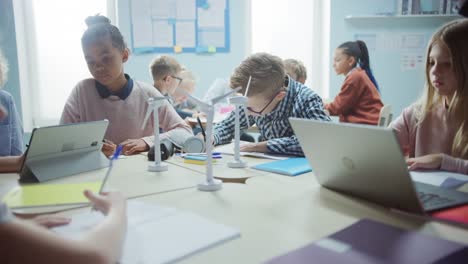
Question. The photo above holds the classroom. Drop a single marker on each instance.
(234, 131)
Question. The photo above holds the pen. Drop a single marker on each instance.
(202, 129)
(116, 155)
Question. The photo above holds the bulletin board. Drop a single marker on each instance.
(179, 26)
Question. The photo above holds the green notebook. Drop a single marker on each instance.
(35, 195)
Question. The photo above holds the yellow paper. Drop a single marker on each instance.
(49, 194)
(177, 49)
(463, 188)
(197, 162)
(211, 49)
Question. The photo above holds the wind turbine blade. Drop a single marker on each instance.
(221, 97)
(197, 101)
(248, 86)
(193, 98)
(148, 113)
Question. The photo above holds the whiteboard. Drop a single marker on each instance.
(179, 26)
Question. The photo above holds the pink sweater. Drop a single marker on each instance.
(434, 135)
(125, 116)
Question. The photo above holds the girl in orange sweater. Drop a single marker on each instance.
(359, 98)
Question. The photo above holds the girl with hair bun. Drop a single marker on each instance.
(358, 100)
(111, 94)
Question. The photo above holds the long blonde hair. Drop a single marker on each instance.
(455, 36)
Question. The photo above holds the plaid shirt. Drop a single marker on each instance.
(300, 102)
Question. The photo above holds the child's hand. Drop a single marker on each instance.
(134, 146)
(199, 114)
(107, 202)
(254, 147)
(200, 135)
(108, 148)
(49, 221)
(432, 161)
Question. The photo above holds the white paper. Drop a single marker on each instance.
(413, 41)
(186, 9)
(142, 32)
(162, 9)
(162, 34)
(157, 234)
(185, 34)
(412, 61)
(435, 177)
(213, 17)
(141, 8)
(212, 38)
(229, 150)
(389, 42)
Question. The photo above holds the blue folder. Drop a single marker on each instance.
(290, 167)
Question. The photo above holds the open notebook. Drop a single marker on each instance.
(157, 234)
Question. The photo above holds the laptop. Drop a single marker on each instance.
(367, 162)
(64, 150)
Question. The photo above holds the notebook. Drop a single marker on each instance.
(367, 242)
(36, 195)
(157, 234)
(229, 150)
(290, 167)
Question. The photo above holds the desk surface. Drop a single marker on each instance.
(277, 218)
(222, 171)
(275, 214)
(130, 176)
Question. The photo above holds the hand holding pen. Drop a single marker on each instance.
(109, 169)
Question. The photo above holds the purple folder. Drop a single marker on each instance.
(367, 242)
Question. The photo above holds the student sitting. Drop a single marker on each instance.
(165, 71)
(25, 241)
(296, 70)
(273, 97)
(433, 132)
(183, 106)
(359, 98)
(11, 132)
(115, 96)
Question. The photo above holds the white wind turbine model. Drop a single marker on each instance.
(240, 102)
(210, 184)
(153, 104)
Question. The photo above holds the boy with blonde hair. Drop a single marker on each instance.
(273, 97)
(165, 71)
(296, 70)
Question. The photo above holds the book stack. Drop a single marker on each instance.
(427, 7)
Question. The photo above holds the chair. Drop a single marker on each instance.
(385, 116)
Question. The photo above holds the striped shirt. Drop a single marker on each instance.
(300, 101)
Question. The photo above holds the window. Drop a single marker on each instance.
(296, 29)
(51, 60)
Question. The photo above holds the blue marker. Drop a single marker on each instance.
(116, 155)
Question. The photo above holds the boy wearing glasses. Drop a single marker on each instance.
(273, 97)
(165, 71)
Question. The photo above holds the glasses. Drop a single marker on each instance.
(269, 103)
(177, 78)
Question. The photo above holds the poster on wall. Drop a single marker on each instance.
(180, 26)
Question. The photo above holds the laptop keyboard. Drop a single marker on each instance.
(434, 198)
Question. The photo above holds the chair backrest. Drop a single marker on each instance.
(385, 116)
